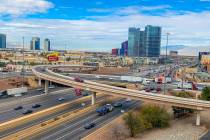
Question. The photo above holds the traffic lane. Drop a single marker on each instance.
(30, 93)
(5, 106)
(80, 132)
(75, 128)
(206, 136)
(45, 102)
(47, 117)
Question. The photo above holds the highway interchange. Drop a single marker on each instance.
(74, 129)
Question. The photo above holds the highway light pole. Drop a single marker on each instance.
(23, 64)
(165, 62)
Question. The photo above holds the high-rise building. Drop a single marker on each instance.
(35, 43)
(133, 41)
(124, 48)
(152, 39)
(115, 51)
(2, 41)
(47, 44)
(144, 43)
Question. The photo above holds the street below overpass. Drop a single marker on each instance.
(7, 111)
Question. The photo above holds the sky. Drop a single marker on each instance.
(99, 25)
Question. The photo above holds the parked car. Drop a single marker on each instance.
(89, 126)
(18, 108)
(36, 105)
(25, 112)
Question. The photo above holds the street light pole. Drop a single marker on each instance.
(23, 66)
(166, 55)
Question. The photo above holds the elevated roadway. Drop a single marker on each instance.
(45, 72)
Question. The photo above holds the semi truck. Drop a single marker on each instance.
(17, 91)
(104, 109)
(131, 79)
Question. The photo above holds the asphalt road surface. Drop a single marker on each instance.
(47, 117)
(74, 130)
(7, 111)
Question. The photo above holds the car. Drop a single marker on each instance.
(25, 112)
(18, 108)
(89, 126)
(118, 104)
(39, 89)
(85, 94)
(148, 90)
(128, 100)
(36, 105)
(61, 99)
(51, 87)
(158, 89)
(78, 79)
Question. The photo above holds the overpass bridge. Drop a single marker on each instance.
(46, 73)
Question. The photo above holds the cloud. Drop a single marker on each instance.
(16, 8)
(101, 33)
(129, 10)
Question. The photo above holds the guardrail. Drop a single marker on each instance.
(141, 95)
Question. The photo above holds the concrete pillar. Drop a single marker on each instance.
(198, 118)
(40, 82)
(93, 98)
(46, 87)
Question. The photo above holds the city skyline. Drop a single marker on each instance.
(102, 25)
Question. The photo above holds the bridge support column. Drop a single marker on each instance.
(40, 82)
(198, 118)
(46, 87)
(93, 98)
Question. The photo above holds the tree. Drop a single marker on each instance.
(184, 94)
(205, 94)
(155, 117)
(133, 123)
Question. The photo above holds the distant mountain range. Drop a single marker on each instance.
(186, 50)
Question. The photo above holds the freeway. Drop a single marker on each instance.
(47, 74)
(38, 120)
(48, 100)
(74, 130)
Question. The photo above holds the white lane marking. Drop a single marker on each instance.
(26, 99)
(74, 124)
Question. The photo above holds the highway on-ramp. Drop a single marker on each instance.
(47, 74)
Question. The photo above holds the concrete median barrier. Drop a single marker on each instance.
(50, 124)
(19, 121)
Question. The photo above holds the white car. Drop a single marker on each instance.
(61, 99)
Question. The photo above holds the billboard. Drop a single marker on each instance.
(53, 56)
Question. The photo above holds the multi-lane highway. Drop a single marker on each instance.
(75, 130)
(38, 120)
(7, 111)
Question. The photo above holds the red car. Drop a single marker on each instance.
(77, 79)
(158, 89)
(148, 90)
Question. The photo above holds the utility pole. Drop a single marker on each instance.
(166, 55)
(23, 64)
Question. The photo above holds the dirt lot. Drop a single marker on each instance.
(182, 129)
(17, 82)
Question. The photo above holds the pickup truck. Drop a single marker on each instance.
(104, 109)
